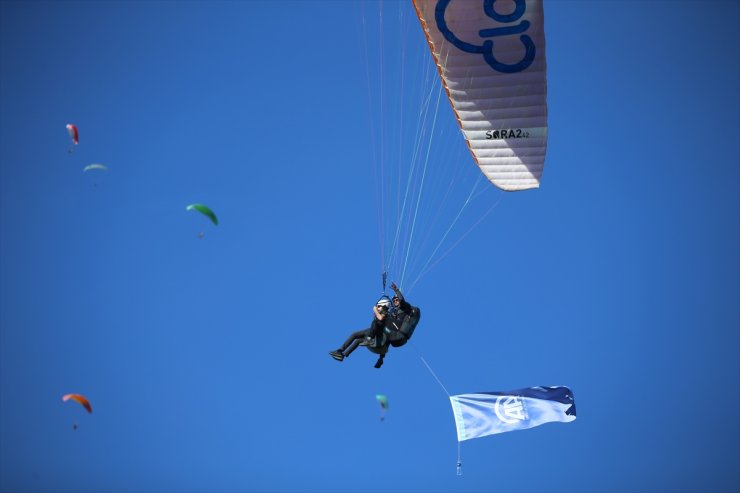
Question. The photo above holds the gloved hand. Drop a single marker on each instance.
(393, 286)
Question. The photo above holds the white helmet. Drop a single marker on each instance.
(384, 301)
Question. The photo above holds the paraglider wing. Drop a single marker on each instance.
(205, 211)
(79, 399)
(95, 166)
(73, 133)
(493, 67)
(487, 413)
(382, 400)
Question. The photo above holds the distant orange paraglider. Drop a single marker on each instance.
(80, 399)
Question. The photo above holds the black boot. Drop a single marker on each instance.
(337, 355)
(379, 363)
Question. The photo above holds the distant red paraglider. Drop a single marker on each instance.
(74, 134)
(81, 399)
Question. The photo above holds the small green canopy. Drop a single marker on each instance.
(205, 211)
(382, 400)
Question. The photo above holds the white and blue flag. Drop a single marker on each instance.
(487, 413)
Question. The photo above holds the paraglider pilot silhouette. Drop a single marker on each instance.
(402, 320)
(393, 324)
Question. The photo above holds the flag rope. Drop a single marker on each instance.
(459, 460)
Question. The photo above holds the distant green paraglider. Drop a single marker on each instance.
(205, 211)
(95, 166)
(383, 401)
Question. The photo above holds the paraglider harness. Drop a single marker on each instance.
(402, 320)
(379, 345)
(406, 330)
(376, 345)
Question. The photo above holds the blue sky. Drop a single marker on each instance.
(205, 359)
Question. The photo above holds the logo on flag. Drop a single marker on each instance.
(510, 409)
